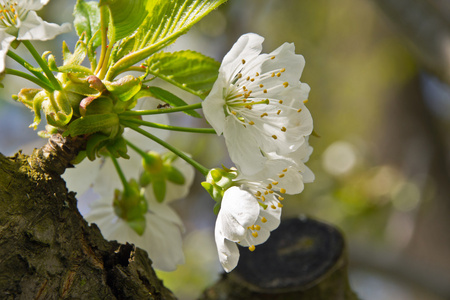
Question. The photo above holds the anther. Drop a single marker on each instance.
(251, 123)
(283, 129)
(280, 101)
(305, 101)
(258, 193)
(272, 75)
(261, 85)
(273, 57)
(257, 227)
(280, 205)
(269, 186)
(299, 110)
(280, 198)
(233, 112)
(282, 70)
(285, 170)
(263, 198)
(264, 115)
(239, 75)
(266, 193)
(274, 137)
(251, 248)
(253, 79)
(286, 84)
(278, 74)
(282, 191)
(274, 182)
(279, 111)
(243, 61)
(273, 206)
(257, 74)
(255, 234)
(248, 77)
(264, 220)
(265, 91)
(281, 175)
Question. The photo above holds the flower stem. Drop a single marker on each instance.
(161, 111)
(43, 65)
(175, 150)
(136, 148)
(168, 127)
(28, 66)
(29, 77)
(119, 171)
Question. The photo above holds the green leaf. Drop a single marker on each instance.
(126, 17)
(171, 99)
(95, 142)
(188, 70)
(78, 55)
(159, 188)
(166, 21)
(87, 19)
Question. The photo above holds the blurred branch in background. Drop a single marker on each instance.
(426, 24)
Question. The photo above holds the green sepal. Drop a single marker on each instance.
(138, 225)
(171, 99)
(145, 179)
(107, 124)
(159, 188)
(216, 208)
(124, 88)
(214, 191)
(174, 175)
(81, 88)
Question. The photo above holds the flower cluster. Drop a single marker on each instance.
(258, 104)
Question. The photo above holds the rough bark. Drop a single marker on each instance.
(48, 251)
(304, 259)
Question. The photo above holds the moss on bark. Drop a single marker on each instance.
(48, 251)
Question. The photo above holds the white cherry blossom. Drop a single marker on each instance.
(18, 20)
(258, 103)
(251, 207)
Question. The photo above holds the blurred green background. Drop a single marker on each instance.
(381, 161)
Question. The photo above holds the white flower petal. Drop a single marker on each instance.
(228, 252)
(34, 28)
(6, 39)
(239, 210)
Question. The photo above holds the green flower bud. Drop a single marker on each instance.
(153, 163)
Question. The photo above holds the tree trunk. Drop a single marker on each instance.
(304, 259)
(48, 251)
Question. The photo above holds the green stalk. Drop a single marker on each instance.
(168, 127)
(161, 111)
(30, 78)
(175, 150)
(119, 171)
(43, 65)
(28, 66)
(137, 149)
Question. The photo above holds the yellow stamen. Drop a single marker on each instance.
(286, 84)
(251, 248)
(280, 205)
(251, 123)
(305, 101)
(282, 191)
(264, 220)
(274, 182)
(274, 137)
(299, 110)
(283, 129)
(282, 70)
(243, 61)
(279, 111)
(281, 175)
(255, 234)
